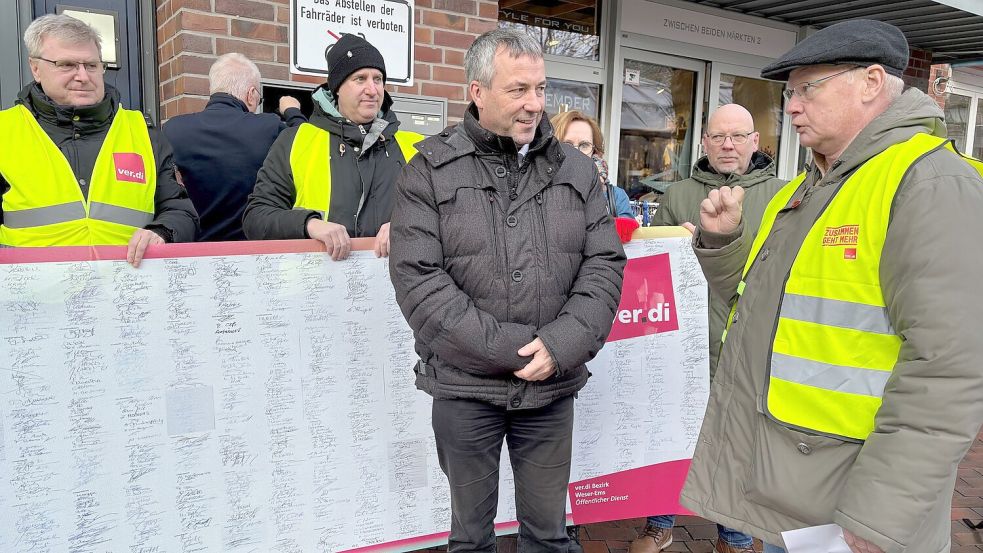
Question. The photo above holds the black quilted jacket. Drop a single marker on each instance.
(478, 274)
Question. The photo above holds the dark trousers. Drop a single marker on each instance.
(469, 445)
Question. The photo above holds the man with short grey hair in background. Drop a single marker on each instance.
(219, 150)
(732, 159)
(508, 269)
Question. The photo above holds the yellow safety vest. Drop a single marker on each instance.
(45, 206)
(834, 348)
(310, 161)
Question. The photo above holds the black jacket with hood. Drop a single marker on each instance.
(479, 274)
(365, 162)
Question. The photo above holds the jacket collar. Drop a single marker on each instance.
(223, 99)
(326, 116)
(470, 137)
(487, 142)
(92, 118)
(760, 168)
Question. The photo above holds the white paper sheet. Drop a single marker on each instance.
(827, 538)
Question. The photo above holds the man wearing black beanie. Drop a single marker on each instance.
(332, 179)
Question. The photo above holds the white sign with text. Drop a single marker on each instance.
(316, 25)
(693, 27)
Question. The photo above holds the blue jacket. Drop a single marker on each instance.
(622, 206)
(218, 152)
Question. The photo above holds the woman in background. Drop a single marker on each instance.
(583, 133)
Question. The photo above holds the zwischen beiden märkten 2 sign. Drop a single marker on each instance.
(316, 25)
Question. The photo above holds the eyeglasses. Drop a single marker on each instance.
(806, 90)
(66, 66)
(736, 139)
(585, 146)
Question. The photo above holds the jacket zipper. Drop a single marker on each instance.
(358, 171)
(546, 240)
(498, 257)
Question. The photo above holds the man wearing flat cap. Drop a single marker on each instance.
(332, 179)
(848, 385)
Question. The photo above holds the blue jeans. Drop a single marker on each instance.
(729, 536)
(769, 548)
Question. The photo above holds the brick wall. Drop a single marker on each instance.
(943, 71)
(444, 31)
(919, 67)
(192, 33)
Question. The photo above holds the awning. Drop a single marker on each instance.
(951, 29)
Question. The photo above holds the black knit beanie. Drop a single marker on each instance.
(347, 56)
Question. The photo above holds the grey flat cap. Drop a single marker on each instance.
(862, 42)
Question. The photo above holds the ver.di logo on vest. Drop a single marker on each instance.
(129, 167)
(846, 235)
(648, 303)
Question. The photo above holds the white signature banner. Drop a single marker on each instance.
(260, 397)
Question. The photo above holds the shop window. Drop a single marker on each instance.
(763, 99)
(656, 128)
(563, 95)
(957, 119)
(963, 107)
(564, 28)
(978, 139)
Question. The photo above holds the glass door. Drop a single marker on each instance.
(661, 101)
(960, 118)
(977, 148)
(963, 107)
(734, 84)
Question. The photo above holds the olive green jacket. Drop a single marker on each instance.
(895, 490)
(681, 204)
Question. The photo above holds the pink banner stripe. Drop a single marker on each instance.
(638, 492)
(188, 249)
(430, 540)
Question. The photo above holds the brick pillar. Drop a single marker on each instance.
(943, 71)
(917, 73)
(444, 31)
(192, 33)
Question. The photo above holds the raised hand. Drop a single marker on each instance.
(720, 212)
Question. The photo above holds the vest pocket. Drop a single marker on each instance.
(796, 473)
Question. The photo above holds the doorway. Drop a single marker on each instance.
(659, 123)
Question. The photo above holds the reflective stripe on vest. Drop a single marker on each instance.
(45, 206)
(310, 159)
(833, 347)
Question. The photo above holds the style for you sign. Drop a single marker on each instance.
(693, 27)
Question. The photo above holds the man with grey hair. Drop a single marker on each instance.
(848, 386)
(76, 167)
(220, 149)
(508, 268)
